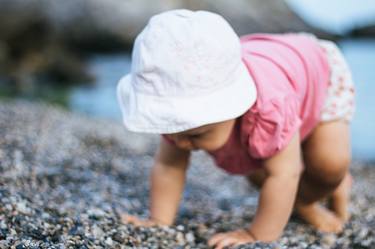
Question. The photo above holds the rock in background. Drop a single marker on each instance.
(45, 40)
(64, 179)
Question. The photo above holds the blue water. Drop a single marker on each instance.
(100, 99)
(361, 57)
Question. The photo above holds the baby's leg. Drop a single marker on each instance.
(327, 158)
(327, 155)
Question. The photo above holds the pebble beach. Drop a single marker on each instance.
(65, 178)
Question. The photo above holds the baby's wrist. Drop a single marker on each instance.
(259, 236)
(251, 233)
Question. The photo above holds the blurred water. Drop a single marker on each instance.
(100, 99)
(361, 57)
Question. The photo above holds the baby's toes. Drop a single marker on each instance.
(321, 218)
(331, 224)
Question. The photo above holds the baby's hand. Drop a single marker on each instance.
(234, 238)
(126, 218)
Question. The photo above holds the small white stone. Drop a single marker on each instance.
(190, 237)
(109, 241)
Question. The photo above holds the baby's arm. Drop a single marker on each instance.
(276, 200)
(167, 182)
(278, 192)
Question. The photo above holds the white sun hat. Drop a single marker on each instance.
(186, 72)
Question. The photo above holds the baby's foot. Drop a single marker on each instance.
(340, 198)
(319, 217)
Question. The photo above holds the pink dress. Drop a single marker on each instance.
(291, 74)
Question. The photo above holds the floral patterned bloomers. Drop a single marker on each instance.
(339, 103)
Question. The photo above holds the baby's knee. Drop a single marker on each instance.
(337, 166)
(332, 169)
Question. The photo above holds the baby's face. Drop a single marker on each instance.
(207, 137)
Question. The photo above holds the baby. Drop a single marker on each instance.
(274, 108)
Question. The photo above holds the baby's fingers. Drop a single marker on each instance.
(221, 240)
(126, 218)
(215, 239)
(224, 242)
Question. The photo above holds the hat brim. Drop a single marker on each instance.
(165, 115)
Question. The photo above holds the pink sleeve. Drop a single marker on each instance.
(273, 126)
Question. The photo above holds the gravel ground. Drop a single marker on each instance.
(65, 178)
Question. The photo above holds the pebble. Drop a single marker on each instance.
(190, 237)
(329, 240)
(109, 241)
